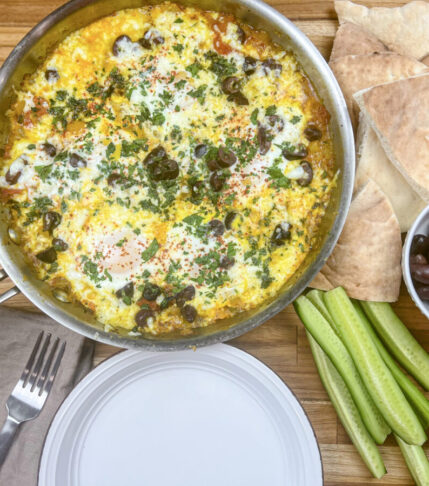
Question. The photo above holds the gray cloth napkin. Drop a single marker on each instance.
(18, 334)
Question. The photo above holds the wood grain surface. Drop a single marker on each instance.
(280, 343)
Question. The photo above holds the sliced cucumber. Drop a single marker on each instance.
(332, 345)
(399, 340)
(347, 410)
(416, 460)
(316, 298)
(375, 374)
(414, 395)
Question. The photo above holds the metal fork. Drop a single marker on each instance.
(30, 393)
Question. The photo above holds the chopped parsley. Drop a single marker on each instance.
(271, 110)
(199, 93)
(43, 171)
(150, 250)
(220, 65)
(157, 118)
(194, 68)
(254, 116)
(178, 48)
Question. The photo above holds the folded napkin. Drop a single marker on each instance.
(18, 334)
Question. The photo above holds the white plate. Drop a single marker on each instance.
(211, 417)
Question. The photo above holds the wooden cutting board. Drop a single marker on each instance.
(280, 343)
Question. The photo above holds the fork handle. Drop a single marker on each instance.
(7, 435)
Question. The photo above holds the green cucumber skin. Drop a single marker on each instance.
(332, 345)
(375, 374)
(414, 395)
(416, 461)
(347, 411)
(398, 339)
(316, 298)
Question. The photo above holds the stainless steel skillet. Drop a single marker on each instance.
(32, 50)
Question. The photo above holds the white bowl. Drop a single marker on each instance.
(419, 227)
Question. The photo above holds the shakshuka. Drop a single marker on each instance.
(167, 167)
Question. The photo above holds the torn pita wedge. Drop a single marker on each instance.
(355, 73)
(399, 114)
(367, 258)
(372, 163)
(351, 39)
(425, 60)
(402, 29)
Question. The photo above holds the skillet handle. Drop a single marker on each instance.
(9, 293)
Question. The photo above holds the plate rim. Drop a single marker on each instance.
(126, 354)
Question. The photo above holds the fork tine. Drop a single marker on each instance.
(31, 359)
(54, 370)
(44, 374)
(39, 362)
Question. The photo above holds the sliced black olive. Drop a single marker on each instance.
(312, 133)
(12, 178)
(49, 149)
(201, 150)
(52, 75)
(276, 122)
(281, 233)
(213, 164)
(116, 48)
(47, 256)
(189, 312)
(113, 179)
(229, 218)
(143, 316)
(151, 291)
(226, 158)
(264, 140)
(249, 65)
(165, 170)
(77, 161)
(308, 177)
(271, 65)
(158, 39)
(197, 189)
(51, 220)
(238, 98)
(226, 262)
(241, 35)
(155, 155)
(126, 291)
(145, 41)
(150, 39)
(216, 227)
(231, 85)
(59, 244)
(188, 293)
(295, 153)
(217, 181)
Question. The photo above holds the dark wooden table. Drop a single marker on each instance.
(281, 342)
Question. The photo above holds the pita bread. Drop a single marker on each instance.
(352, 39)
(355, 73)
(425, 60)
(372, 163)
(402, 29)
(367, 258)
(399, 114)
